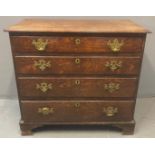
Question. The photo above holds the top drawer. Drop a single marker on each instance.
(39, 44)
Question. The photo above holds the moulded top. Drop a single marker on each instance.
(77, 26)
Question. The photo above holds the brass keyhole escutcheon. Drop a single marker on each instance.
(77, 105)
(77, 41)
(77, 82)
(77, 61)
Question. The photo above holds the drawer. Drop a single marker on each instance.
(41, 87)
(97, 65)
(77, 111)
(41, 44)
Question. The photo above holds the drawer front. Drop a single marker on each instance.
(97, 65)
(76, 44)
(77, 111)
(77, 87)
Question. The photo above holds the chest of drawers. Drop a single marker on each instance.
(72, 72)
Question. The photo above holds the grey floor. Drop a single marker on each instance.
(144, 116)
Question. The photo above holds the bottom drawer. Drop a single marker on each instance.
(77, 111)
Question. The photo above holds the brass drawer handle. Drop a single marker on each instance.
(115, 45)
(40, 44)
(113, 65)
(45, 110)
(42, 64)
(77, 61)
(44, 87)
(77, 82)
(110, 111)
(77, 41)
(77, 105)
(112, 87)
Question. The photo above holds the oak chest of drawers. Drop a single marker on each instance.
(72, 72)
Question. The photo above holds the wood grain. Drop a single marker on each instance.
(88, 65)
(67, 44)
(78, 26)
(88, 111)
(66, 87)
(93, 52)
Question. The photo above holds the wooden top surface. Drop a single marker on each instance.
(77, 26)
